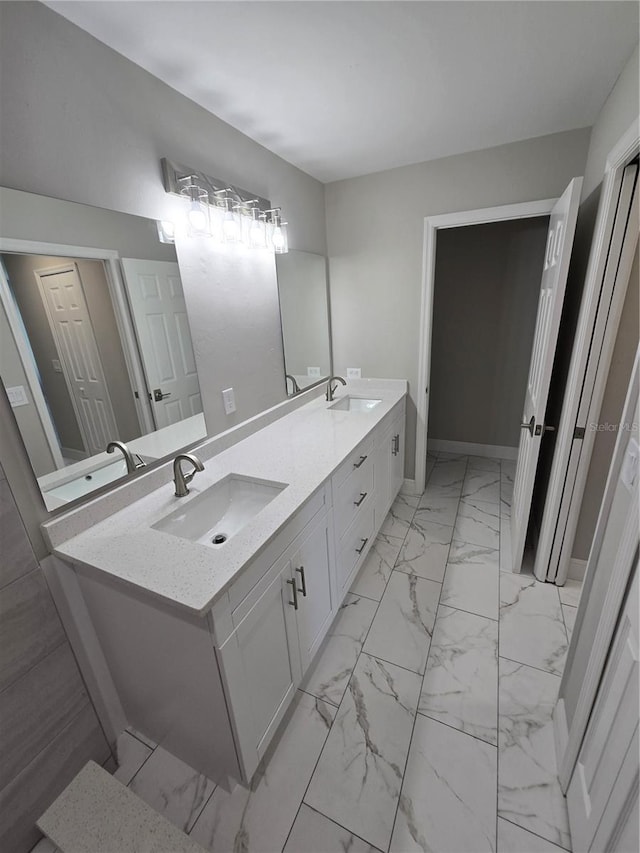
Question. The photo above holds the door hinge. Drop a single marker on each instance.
(578, 432)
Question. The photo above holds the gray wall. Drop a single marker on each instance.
(375, 228)
(618, 112)
(610, 413)
(487, 285)
(49, 728)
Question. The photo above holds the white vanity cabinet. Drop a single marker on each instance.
(389, 461)
(277, 630)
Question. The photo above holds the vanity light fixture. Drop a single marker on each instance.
(198, 209)
(225, 212)
(278, 233)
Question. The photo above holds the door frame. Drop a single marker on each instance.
(433, 224)
(27, 361)
(111, 261)
(620, 156)
(568, 741)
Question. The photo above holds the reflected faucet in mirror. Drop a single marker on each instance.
(295, 388)
(132, 465)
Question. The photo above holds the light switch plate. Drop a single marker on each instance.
(55, 363)
(354, 373)
(229, 401)
(313, 371)
(17, 396)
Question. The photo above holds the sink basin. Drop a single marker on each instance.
(355, 404)
(221, 511)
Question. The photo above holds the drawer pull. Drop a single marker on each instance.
(362, 497)
(303, 589)
(361, 548)
(358, 464)
(294, 603)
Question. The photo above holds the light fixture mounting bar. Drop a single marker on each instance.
(174, 173)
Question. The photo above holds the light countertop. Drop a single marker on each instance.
(301, 449)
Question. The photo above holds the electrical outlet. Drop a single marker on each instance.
(313, 371)
(229, 401)
(354, 373)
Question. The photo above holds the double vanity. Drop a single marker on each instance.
(196, 618)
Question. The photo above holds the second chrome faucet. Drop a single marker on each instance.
(332, 388)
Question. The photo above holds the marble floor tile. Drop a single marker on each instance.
(483, 463)
(569, 614)
(401, 630)
(425, 550)
(400, 515)
(514, 839)
(531, 625)
(315, 833)
(506, 492)
(460, 686)
(528, 789)
(482, 486)
(471, 579)
(438, 509)
(172, 788)
(45, 845)
(448, 801)
(131, 754)
(258, 820)
(478, 523)
(508, 468)
(359, 774)
(447, 478)
(570, 592)
(334, 664)
(506, 564)
(374, 574)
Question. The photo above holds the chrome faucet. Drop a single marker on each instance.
(132, 465)
(179, 477)
(331, 388)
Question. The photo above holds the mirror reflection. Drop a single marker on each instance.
(304, 311)
(97, 350)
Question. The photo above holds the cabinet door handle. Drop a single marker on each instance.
(303, 590)
(362, 497)
(361, 548)
(358, 464)
(294, 603)
(393, 446)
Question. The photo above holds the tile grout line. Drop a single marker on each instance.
(417, 713)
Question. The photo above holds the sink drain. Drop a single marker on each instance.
(219, 538)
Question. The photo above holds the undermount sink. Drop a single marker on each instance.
(221, 511)
(355, 404)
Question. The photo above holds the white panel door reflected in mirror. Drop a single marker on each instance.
(304, 312)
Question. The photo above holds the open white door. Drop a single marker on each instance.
(562, 225)
(162, 328)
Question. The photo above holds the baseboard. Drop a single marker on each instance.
(492, 451)
(408, 487)
(560, 731)
(577, 569)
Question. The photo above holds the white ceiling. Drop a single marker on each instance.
(347, 88)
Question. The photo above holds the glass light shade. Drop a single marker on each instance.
(279, 239)
(198, 218)
(231, 228)
(257, 233)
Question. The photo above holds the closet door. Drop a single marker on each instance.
(605, 778)
(562, 225)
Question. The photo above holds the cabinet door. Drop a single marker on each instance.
(397, 458)
(312, 572)
(262, 667)
(383, 477)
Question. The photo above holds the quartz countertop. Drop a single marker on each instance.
(301, 449)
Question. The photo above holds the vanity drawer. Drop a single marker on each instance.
(353, 497)
(355, 460)
(354, 547)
